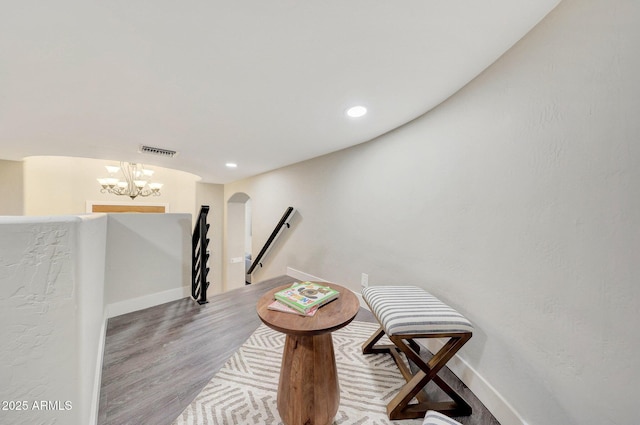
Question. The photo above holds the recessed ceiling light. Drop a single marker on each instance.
(231, 165)
(356, 111)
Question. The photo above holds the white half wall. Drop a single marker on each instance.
(51, 316)
(59, 276)
(516, 202)
(91, 323)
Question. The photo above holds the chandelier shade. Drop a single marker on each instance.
(135, 181)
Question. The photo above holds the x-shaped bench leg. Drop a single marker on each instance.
(399, 407)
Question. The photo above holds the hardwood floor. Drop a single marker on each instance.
(157, 360)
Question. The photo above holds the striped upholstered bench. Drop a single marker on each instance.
(406, 313)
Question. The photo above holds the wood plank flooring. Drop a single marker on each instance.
(157, 360)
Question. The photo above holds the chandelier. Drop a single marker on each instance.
(136, 181)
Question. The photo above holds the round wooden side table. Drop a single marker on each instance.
(308, 391)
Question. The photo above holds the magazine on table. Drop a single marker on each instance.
(278, 306)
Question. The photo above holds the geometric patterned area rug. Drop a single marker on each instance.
(244, 391)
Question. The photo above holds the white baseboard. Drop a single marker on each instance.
(304, 276)
(486, 393)
(135, 304)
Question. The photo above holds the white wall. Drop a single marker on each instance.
(51, 315)
(238, 211)
(148, 260)
(516, 201)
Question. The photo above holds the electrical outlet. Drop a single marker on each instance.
(364, 280)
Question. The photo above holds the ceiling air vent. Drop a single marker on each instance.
(157, 151)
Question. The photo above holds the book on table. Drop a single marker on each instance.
(278, 306)
(305, 296)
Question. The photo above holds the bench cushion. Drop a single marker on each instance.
(407, 310)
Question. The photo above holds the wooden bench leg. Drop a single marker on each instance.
(370, 346)
(400, 408)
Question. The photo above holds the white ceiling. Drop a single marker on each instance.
(257, 82)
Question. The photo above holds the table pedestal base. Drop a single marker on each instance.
(308, 392)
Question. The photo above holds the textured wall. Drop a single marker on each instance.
(42, 321)
(57, 276)
(516, 201)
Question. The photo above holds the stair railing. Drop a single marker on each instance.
(282, 224)
(200, 257)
